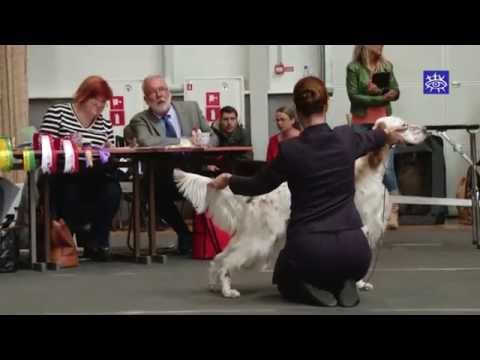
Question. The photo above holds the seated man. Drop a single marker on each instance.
(165, 123)
(229, 132)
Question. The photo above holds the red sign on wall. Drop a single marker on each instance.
(213, 99)
(213, 113)
(117, 118)
(117, 103)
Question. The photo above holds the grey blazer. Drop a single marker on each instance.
(142, 126)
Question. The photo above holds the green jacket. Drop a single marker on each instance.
(358, 77)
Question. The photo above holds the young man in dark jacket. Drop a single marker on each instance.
(229, 132)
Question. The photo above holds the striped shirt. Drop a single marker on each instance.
(61, 120)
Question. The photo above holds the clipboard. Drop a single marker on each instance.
(381, 79)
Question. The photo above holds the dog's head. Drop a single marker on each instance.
(411, 134)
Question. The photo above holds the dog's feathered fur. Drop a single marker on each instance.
(258, 224)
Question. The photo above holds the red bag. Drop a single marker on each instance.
(63, 250)
(208, 239)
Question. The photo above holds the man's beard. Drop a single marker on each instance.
(161, 108)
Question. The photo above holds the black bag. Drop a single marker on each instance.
(8, 251)
(421, 171)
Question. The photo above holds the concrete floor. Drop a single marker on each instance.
(421, 270)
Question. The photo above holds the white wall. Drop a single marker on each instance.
(55, 71)
(209, 60)
(297, 56)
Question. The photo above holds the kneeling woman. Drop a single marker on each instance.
(87, 200)
(326, 251)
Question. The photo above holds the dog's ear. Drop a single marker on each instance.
(375, 158)
(380, 125)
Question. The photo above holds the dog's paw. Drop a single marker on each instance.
(231, 293)
(365, 230)
(266, 268)
(364, 286)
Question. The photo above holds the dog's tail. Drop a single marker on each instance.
(193, 187)
(221, 205)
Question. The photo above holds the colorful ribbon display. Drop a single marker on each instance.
(104, 155)
(29, 162)
(49, 148)
(6, 154)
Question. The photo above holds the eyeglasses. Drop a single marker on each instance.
(157, 90)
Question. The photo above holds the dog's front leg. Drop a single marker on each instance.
(227, 290)
(365, 284)
(213, 275)
(218, 272)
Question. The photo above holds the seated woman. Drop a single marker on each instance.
(289, 127)
(87, 200)
(326, 251)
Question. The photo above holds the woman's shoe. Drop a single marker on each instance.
(320, 297)
(348, 294)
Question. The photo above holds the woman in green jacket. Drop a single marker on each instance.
(368, 102)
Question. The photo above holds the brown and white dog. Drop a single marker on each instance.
(258, 224)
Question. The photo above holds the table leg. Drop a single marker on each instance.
(32, 224)
(136, 209)
(152, 221)
(46, 227)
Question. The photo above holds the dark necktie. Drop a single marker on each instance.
(169, 129)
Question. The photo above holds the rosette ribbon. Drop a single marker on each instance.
(29, 162)
(49, 154)
(71, 157)
(6, 154)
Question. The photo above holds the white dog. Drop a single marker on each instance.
(258, 224)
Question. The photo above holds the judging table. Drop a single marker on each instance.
(138, 159)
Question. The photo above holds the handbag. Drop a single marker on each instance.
(208, 239)
(63, 250)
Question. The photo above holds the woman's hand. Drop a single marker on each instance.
(220, 182)
(213, 168)
(394, 136)
(390, 96)
(373, 89)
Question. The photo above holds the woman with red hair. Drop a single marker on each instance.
(326, 251)
(87, 200)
